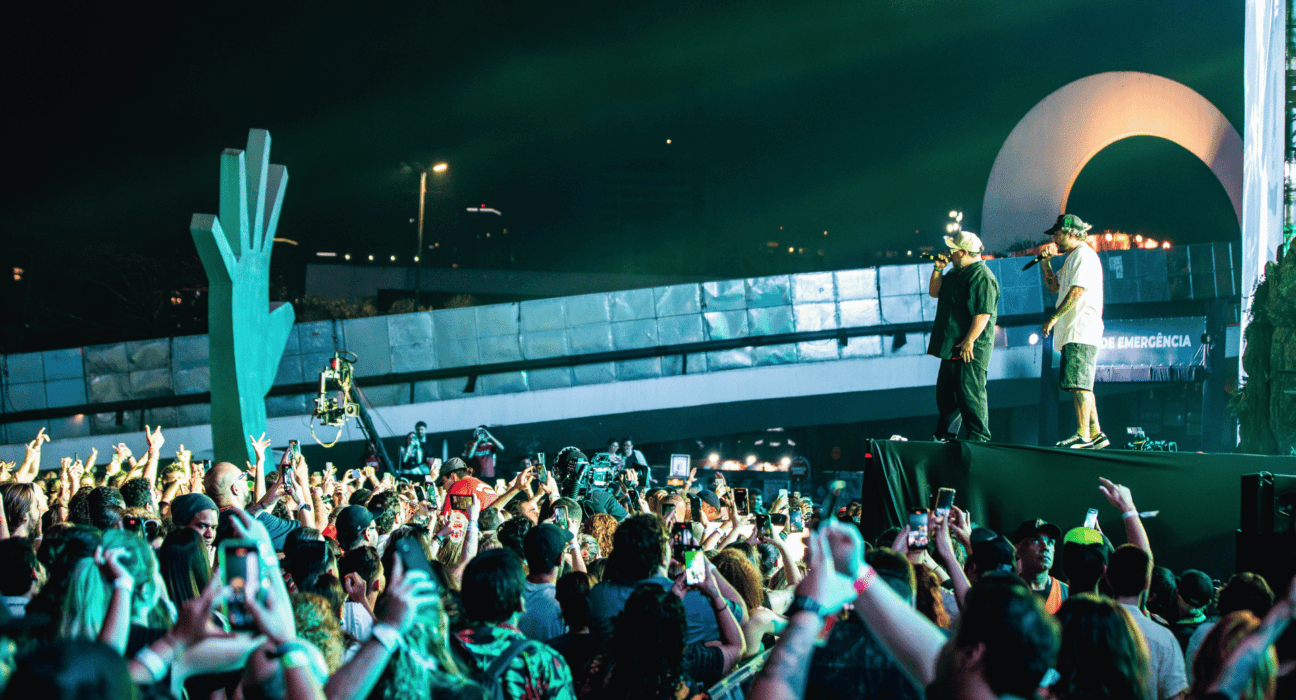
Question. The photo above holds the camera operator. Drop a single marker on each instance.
(480, 453)
(578, 479)
(412, 460)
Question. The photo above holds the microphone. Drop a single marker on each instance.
(927, 256)
(1033, 263)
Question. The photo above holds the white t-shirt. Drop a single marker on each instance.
(1083, 323)
(1166, 676)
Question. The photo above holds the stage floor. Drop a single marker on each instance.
(1198, 495)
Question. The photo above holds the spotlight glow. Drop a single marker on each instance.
(751, 459)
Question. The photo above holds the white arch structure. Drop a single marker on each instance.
(1038, 164)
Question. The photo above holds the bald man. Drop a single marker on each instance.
(224, 484)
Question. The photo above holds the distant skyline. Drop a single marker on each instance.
(868, 120)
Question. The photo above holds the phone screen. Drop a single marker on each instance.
(542, 475)
(462, 503)
(240, 566)
(918, 529)
(695, 509)
(560, 517)
(681, 540)
(763, 526)
(357, 474)
(740, 500)
(796, 520)
(694, 566)
(1091, 519)
(944, 502)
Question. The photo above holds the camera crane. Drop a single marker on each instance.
(336, 410)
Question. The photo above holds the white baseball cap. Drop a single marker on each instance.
(965, 240)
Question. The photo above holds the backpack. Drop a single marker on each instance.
(491, 678)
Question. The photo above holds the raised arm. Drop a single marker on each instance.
(1046, 268)
(406, 592)
(731, 637)
(116, 626)
(788, 666)
(155, 441)
(259, 446)
(31, 459)
(934, 284)
(945, 548)
(911, 639)
(1121, 498)
(471, 537)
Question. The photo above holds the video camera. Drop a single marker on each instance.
(336, 410)
(581, 475)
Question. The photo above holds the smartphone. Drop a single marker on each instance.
(829, 509)
(780, 519)
(461, 503)
(740, 500)
(763, 526)
(560, 517)
(542, 475)
(944, 501)
(240, 567)
(918, 528)
(357, 474)
(422, 493)
(796, 520)
(410, 551)
(695, 509)
(1091, 519)
(681, 540)
(694, 566)
(667, 509)
(782, 494)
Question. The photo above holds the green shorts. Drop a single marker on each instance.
(1078, 364)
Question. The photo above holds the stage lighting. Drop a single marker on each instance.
(713, 459)
(751, 459)
(1033, 339)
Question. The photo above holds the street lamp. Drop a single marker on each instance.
(418, 252)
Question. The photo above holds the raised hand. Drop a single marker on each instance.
(246, 338)
(1117, 495)
(259, 447)
(155, 440)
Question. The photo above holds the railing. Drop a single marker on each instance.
(472, 372)
(735, 685)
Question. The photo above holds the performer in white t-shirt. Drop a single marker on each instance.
(1078, 322)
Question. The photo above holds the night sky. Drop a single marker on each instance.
(866, 119)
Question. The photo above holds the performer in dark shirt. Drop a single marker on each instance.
(963, 337)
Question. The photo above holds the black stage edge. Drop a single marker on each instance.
(1198, 495)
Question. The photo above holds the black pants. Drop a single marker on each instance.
(961, 400)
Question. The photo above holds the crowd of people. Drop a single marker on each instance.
(576, 578)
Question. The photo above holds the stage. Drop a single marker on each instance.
(1198, 495)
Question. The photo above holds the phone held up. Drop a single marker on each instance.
(1091, 519)
(460, 502)
(741, 502)
(944, 502)
(240, 568)
(918, 529)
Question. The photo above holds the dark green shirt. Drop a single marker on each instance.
(965, 293)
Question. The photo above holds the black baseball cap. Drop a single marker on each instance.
(544, 545)
(351, 522)
(1030, 528)
(995, 554)
(1196, 588)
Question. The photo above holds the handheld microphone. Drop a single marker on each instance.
(1033, 263)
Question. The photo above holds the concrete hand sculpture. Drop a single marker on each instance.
(246, 338)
